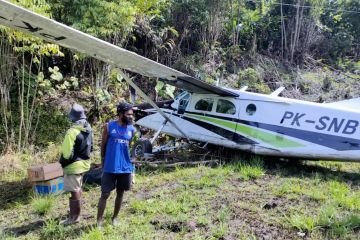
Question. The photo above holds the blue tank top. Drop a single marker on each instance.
(117, 155)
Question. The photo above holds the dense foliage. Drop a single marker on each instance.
(235, 41)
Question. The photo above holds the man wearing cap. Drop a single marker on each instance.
(75, 155)
(115, 158)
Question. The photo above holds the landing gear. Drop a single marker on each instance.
(142, 148)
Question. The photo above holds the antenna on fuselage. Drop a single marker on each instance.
(243, 89)
(277, 91)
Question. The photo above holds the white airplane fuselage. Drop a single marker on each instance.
(268, 125)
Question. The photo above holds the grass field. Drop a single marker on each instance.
(253, 199)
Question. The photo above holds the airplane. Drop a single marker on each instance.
(233, 118)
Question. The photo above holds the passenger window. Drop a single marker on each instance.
(226, 107)
(251, 109)
(204, 104)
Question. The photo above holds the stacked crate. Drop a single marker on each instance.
(47, 178)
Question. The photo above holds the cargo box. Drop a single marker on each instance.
(45, 172)
(50, 186)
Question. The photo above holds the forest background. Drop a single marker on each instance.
(309, 46)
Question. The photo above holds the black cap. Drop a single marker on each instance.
(77, 112)
(123, 107)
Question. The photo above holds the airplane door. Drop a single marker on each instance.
(237, 137)
(226, 113)
(240, 136)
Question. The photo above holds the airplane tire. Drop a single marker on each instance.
(141, 147)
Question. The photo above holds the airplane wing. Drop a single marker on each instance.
(50, 30)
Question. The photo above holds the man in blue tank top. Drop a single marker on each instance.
(115, 159)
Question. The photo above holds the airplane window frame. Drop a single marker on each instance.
(225, 100)
(183, 102)
(204, 99)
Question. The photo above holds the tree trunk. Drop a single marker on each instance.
(21, 91)
(7, 63)
(283, 32)
(296, 34)
(233, 27)
(253, 45)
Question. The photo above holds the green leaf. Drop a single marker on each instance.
(56, 76)
(75, 82)
(337, 18)
(159, 86)
(67, 84)
(40, 77)
(170, 90)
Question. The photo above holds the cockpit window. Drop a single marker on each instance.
(204, 104)
(182, 94)
(226, 107)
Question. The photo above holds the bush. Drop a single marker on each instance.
(251, 78)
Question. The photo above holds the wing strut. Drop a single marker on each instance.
(151, 102)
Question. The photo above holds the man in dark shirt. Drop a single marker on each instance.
(75, 159)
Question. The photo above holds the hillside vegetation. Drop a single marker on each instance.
(309, 46)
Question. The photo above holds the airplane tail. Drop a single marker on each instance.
(353, 103)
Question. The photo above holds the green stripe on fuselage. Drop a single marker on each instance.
(278, 140)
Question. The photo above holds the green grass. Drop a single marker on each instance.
(53, 230)
(219, 231)
(334, 207)
(223, 214)
(4, 235)
(206, 203)
(43, 204)
(94, 234)
(250, 170)
(302, 222)
(290, 188)
(328, 218)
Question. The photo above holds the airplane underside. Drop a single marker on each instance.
(255, 137)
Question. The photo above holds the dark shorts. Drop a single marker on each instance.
(122, 181)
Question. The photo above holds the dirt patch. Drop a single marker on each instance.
(25, 228)
(252, 224)
(249, 203)
(175, 227)
(273, 203)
